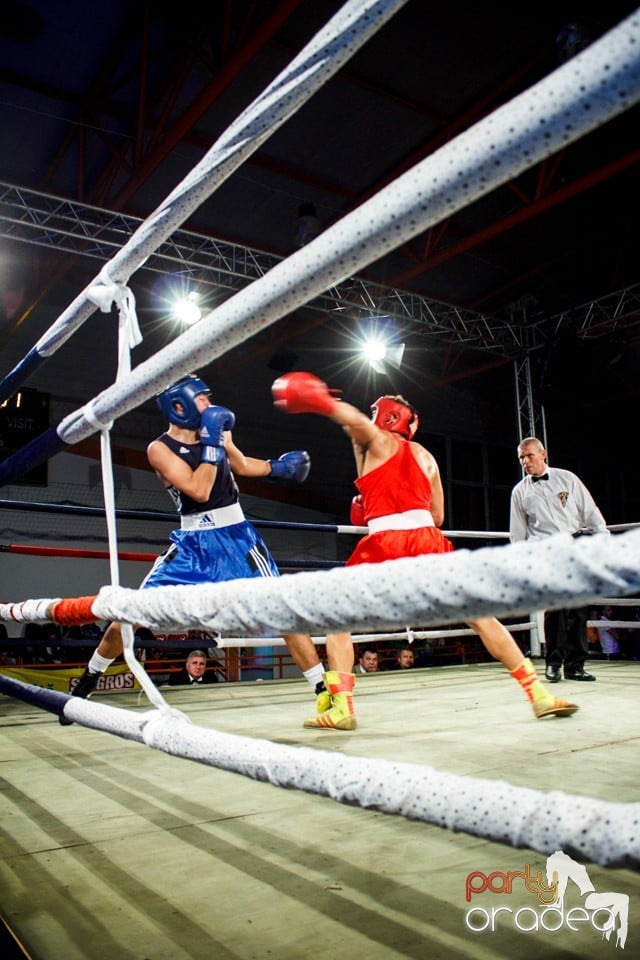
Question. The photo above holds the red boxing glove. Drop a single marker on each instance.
(303, 393)
(357, 512)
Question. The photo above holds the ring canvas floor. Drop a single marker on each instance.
(116, 851)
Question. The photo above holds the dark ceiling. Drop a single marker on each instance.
(112, 104)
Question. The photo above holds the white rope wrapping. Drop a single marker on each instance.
(27, 611)
(103, 294)
(91, 417)
(596, 85)
(602, 832)
(510, 580)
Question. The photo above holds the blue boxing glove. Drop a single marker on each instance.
(291, 466)
(213, 422)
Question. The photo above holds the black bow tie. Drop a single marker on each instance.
(543, 476)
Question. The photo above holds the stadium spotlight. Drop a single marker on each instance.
(187, 310)
(380, 349)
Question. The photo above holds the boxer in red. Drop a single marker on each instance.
(402, 501)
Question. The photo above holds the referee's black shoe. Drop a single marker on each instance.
(552, 673)
(580, 674)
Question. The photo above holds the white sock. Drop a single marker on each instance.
(314, 675)
(98, 664)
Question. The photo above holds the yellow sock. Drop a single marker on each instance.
(525, 674)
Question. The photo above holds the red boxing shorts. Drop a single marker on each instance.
(395, 544)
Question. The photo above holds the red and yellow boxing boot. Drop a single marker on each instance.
(544, 703)
(341, 715)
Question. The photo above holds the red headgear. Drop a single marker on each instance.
(404, 420)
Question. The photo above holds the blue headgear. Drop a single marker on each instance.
(183, 392)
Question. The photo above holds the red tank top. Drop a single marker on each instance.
(395, 486)
(398, 485)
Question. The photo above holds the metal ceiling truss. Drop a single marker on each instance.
(530, 416)
(76, 228)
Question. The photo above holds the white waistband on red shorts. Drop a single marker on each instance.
(407, 520)
(213, 519)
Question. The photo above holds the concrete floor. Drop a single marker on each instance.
(115, 851)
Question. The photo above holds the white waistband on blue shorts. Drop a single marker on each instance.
(407, 520)
(213, 519)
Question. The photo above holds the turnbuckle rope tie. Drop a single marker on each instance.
(106, 292)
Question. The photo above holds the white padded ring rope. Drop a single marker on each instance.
(603, 832)
(447, 588)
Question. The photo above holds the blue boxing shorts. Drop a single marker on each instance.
(211, 556)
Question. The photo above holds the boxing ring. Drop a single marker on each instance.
(508, 797)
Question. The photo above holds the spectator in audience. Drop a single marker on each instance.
(593, 634)
(91, 632)
(609, 636)
(194, 671)
(6, 658)
(633, 648)
(52, 653)
(405, 659)
(32, 633)
(367, 661)
(6, 653)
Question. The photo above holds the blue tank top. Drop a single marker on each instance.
(224, 491)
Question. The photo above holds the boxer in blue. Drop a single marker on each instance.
(196, 459)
